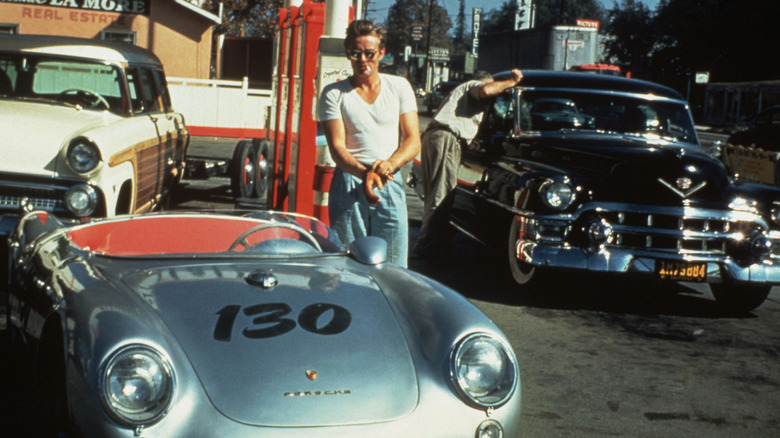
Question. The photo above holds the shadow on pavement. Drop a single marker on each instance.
(479, 273)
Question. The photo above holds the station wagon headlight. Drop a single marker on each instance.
(556, 194)
(83, 156)
(137, 385)
(81, 200)
(483, 370)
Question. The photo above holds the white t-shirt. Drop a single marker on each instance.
(372, 130)
(462, 110)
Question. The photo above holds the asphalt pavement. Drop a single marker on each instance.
(598, 357)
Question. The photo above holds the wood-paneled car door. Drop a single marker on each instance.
(175, 135)
(147, 106)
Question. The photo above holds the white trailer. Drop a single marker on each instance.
(227, 124)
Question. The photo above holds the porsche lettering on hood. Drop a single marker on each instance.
(242, 351)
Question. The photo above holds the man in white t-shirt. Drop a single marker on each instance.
(361, 118)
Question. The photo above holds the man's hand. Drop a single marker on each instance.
(383, 168)
(516, 75)
(371, 180)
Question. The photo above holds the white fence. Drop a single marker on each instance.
(220, 108)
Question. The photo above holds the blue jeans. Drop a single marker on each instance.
(351, 216)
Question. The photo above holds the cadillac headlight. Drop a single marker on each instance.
(556, 194)
(483, 370)
(81, 200)
(83, 156)
(774, 214)
(137, 385)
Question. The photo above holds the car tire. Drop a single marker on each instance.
(50, 408)
(739, 298)
(525, 275)
(243, 170)
(263, 168)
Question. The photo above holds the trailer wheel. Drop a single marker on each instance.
(263, 170)
(243, 172)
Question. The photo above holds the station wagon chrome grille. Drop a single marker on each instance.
(41, 198)
(37, 203)
(669, 232)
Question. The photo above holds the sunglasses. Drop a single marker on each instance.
(355, 54)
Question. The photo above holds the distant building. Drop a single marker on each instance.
(552, 48)
(179, 32)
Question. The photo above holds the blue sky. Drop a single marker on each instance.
(381, 7)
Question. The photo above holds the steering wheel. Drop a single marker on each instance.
(89, 97)
(241, 240)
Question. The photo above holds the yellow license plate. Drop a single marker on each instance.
(681, 271)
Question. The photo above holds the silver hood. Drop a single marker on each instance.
(306, 352)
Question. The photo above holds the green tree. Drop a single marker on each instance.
(500, 20)
(547, 13)
(634, 37)
(566, 12)
(405, 13)
(734, 41)
(459, 42)
(255, 18)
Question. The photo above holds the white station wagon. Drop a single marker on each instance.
(88, 128)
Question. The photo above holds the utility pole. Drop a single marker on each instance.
(561, 12)
(428, 81)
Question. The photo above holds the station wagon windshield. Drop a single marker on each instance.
(90, 85)
(553, 110)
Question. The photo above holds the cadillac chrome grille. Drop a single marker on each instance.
(668, 232)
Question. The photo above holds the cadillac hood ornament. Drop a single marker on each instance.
(683, 186)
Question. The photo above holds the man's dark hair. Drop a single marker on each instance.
(359, 28)
(481, 75)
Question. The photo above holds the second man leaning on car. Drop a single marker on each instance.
(453, 127)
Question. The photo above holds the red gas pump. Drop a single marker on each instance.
(292, 128)
(301, 172)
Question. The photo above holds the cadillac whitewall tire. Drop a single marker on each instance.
(739, 298)
(525, 275)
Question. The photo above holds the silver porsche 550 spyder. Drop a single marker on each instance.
(247, 325)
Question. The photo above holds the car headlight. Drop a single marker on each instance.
(137, 385)
(556, 194)
(83, 156)
(774, 214)
(81, 200)
(483, 370)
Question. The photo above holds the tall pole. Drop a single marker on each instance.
(336, 18)
(561, 11)
(428, 79)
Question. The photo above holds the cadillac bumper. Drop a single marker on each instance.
(682, 244)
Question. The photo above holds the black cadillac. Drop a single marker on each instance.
(613, 181)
